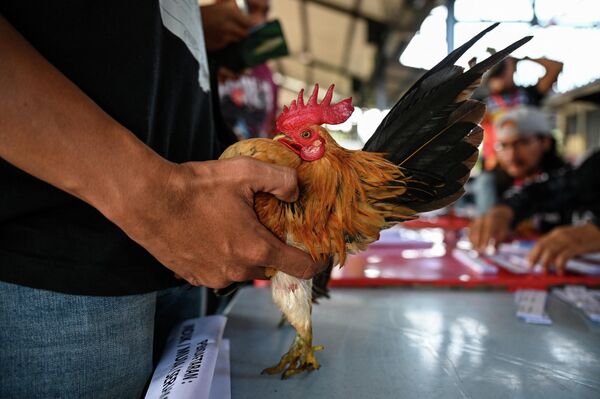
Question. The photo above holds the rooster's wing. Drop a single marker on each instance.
(432, 133)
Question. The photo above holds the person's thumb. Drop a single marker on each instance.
(280, 181)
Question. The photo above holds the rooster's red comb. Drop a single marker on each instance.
(299, 115)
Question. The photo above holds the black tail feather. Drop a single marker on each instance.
(433, 129)
(448, 62)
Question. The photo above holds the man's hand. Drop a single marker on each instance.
(223, 23)
(201, 223)
(491, 228)
(564, 243)
(196, 218)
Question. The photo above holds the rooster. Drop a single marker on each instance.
(417, 160)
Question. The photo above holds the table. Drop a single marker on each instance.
(417, 343)
(448, 222)
(435, 266)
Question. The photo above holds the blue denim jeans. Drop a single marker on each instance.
(54, 345)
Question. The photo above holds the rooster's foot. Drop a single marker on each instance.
(300, 357)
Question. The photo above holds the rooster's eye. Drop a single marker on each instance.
(305, 134)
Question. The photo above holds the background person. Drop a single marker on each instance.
(501, 94)
(525, 150)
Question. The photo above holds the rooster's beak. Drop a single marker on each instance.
(288, 142)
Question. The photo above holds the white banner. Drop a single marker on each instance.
(221, 385)
(187, 365)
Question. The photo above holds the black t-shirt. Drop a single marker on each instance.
(544, 218)
(562, 190)
(121, 55)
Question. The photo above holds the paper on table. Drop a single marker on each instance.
(474, 262)
(187, 365)
(532, 306)
(221, 384)
(516, 264)
(400, 237)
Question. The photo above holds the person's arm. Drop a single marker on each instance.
(196, 218)
(553, 69)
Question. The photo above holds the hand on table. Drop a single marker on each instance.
(491, 228)
(564, 243)
(201, 224)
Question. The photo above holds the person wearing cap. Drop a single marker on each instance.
(525, 147)
(500, 94)
(526, 152)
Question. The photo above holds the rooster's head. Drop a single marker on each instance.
(299, 124)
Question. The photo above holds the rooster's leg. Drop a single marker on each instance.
(293, 297)
(282, 321)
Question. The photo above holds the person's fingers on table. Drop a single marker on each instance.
(562, 257)
(495, 226)
(548, 247)
(547, 257)
(567, 254)
(474, 232)
(536, 252)
(485, 234)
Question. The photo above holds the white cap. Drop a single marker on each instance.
(525, 120)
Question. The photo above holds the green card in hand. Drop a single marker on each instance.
(265, 42)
